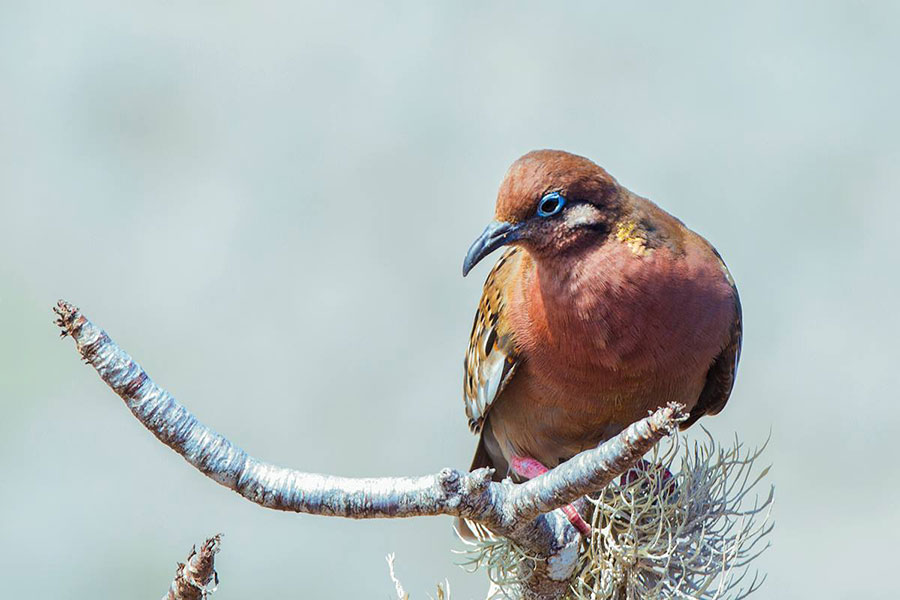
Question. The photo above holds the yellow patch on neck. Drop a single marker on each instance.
(627, 233)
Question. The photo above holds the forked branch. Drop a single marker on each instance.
(522, 513)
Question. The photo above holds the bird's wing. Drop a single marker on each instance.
(720, 378)
(491, 358)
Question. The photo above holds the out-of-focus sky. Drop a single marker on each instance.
(268, 205)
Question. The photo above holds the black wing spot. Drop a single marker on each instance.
(490, 341)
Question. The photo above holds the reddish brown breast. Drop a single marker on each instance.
(596, 321)
(604, 338)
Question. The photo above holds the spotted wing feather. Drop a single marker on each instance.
(491, 358)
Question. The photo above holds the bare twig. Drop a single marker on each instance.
(401, 593)
(518, 512)
(193, 578)
(443, 589)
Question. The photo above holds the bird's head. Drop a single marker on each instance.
(550, 202)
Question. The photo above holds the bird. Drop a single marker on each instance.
(602, 307)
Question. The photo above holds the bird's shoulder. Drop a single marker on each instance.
(491, 358)
(645, 227)
(660, 228)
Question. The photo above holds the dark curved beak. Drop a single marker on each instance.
(496, 234)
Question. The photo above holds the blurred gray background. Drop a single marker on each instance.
(268, 206)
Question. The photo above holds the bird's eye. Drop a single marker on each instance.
(551, 204)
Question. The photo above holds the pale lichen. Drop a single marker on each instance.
(685, 524)
(503, 560)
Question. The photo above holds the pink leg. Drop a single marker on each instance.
(529, 468)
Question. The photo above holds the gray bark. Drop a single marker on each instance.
(524, 513)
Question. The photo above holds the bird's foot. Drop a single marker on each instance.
(527, 467)
(530, 468)
(665, 482)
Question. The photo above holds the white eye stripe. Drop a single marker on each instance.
(582, 214)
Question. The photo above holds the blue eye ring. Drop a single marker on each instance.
(551, 204)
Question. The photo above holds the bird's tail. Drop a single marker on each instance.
(481, 460)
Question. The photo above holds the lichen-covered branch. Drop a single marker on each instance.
(660, 533)
(521, 513)
(193, 578)
(591, 471)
